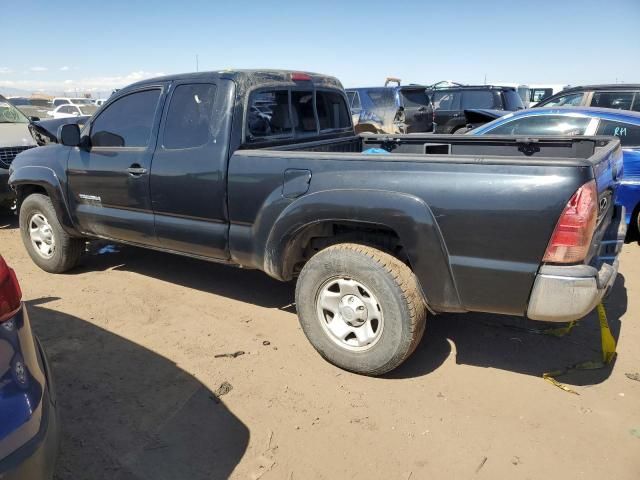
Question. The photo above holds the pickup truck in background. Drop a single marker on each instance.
(261, 169)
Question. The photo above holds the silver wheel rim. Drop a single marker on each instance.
(41, 235)
(349, 313)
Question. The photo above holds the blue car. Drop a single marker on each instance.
(28, 418)
(584, 121)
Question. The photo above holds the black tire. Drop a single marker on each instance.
(67, 250)
(398, 295)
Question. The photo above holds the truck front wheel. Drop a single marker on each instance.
(360, 308)
(48, 245)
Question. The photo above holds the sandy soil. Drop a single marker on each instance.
(133, 338)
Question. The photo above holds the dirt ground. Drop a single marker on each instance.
(133, 337)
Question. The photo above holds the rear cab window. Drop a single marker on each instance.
(284, 113)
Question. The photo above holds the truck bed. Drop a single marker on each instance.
(483, 208)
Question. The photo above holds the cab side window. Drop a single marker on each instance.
(127, 122)
(189, 118)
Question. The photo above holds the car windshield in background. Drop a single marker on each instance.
(570, 99)
(88, 110)
(82, 101)
(414, 98)
(10, 114)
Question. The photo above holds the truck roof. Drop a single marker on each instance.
(249, 78)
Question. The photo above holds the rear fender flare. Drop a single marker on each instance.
(407, 215)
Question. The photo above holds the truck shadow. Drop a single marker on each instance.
(250, 286)
(515, 344)
(485, 340)
(128, 413)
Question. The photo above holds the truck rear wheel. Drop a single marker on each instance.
(48, 245)
(360, 308)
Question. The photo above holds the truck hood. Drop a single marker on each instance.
(46, 131)
(15, 135)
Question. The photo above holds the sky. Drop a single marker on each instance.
(97, 45)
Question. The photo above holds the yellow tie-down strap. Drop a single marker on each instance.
(608, 351)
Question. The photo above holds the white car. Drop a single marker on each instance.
(71, 101)
(68, 110)
(99, 101)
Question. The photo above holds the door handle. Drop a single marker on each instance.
(136, 170)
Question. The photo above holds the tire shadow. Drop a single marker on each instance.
(8, 220)
(129, 413)
(485, 340)
(512, 343)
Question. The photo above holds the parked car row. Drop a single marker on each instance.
(420, 109)
(44, 108)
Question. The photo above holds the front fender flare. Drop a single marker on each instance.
(407, 215)
(46, 178)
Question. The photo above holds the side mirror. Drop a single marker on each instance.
(69, 135)
(34, 119)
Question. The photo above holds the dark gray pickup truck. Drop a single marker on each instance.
(261, 169)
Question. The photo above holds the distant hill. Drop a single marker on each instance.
(14, 92)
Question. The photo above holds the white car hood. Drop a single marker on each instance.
(15, 135)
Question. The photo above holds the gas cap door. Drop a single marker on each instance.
(296, 182)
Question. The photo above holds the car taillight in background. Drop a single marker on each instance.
(572, 236)
(10, 293)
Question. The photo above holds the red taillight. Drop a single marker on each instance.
(572, 236)
(10, 294)
(300, 77)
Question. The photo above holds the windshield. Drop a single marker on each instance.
(82, 101)
(10, 114)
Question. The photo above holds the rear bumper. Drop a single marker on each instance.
(567, 293)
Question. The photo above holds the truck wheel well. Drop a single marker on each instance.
(319, 236)
(23, 191)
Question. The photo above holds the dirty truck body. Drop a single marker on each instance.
(504, 225)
